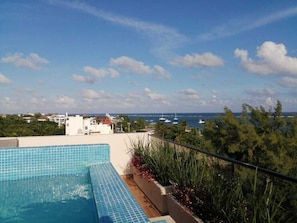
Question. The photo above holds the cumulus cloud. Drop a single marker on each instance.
(4, 79)
(95, 73)
(66, 101)
(273, 59)
(270, 102)
(161, 73)
(191, 93)
(128, 64)
(101, 72)
(289, 82)
(83, 79)
(153, 96)
(198, 60)
(90, 95)
(32, 61)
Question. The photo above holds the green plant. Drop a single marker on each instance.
(215, 190)
(153, 159)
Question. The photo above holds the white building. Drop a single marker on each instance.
(78, 125)
(60, 119)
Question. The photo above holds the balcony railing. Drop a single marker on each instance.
(254, 189)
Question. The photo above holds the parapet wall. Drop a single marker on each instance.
(8, 142)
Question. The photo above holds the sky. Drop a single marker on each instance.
(108, 56)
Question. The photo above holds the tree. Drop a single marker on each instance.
(260, 137)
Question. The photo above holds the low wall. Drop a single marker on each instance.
(8, 142)
(119, 145)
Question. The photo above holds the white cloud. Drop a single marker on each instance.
(191, 93)
(66, 102)
(83, 79)
(197, 60)
(154, 96)
(8, 103)
(100, 73)
(33, 61)
(161, 73)
(270, 102)
(273, 59)
(4, 79)
(91, 95)
(163, 38)
(128, 64)
(243, 24)
(289, 82)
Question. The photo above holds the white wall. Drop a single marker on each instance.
(119, 145)
(74, 125)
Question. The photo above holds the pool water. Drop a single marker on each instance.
(48, 199)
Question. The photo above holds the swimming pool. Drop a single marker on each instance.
(48, 199)
(69, 184)
(49, 184)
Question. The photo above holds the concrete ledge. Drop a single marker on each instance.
(113, 199)
(9, 143)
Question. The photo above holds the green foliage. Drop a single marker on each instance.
(15, 126)
(214, 189)
(129, 125)
(260, 137)
(179, 133)
(153, 159)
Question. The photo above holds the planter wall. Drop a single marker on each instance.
(155, 192)
(179, 213)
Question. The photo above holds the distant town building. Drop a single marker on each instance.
(79, 125)
(59, 119)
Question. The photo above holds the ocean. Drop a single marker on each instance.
(192, 119)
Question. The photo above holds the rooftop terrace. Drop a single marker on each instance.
(119, 165)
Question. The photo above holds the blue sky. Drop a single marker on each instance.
(147, 56)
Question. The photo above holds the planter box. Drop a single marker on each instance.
(155, 192)
(179, 213)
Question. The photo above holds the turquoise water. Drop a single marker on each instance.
(52, 199)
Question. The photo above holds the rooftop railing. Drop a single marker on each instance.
(247, 192)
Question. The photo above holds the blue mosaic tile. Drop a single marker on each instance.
(113, 199)
(26, 162)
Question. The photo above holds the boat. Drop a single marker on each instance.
(201, 121)
(162, 118)
(167, 121)
(175, 120)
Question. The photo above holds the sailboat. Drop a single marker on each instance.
(201, 121)
(162, 119)
(175, 120)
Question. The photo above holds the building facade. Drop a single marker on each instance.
(79, 125)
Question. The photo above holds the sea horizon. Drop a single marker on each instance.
(193, 119)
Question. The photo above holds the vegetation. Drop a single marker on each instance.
(260, 137)
(15, 126)
(216, 190)
(128, 125)
(153, 160)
